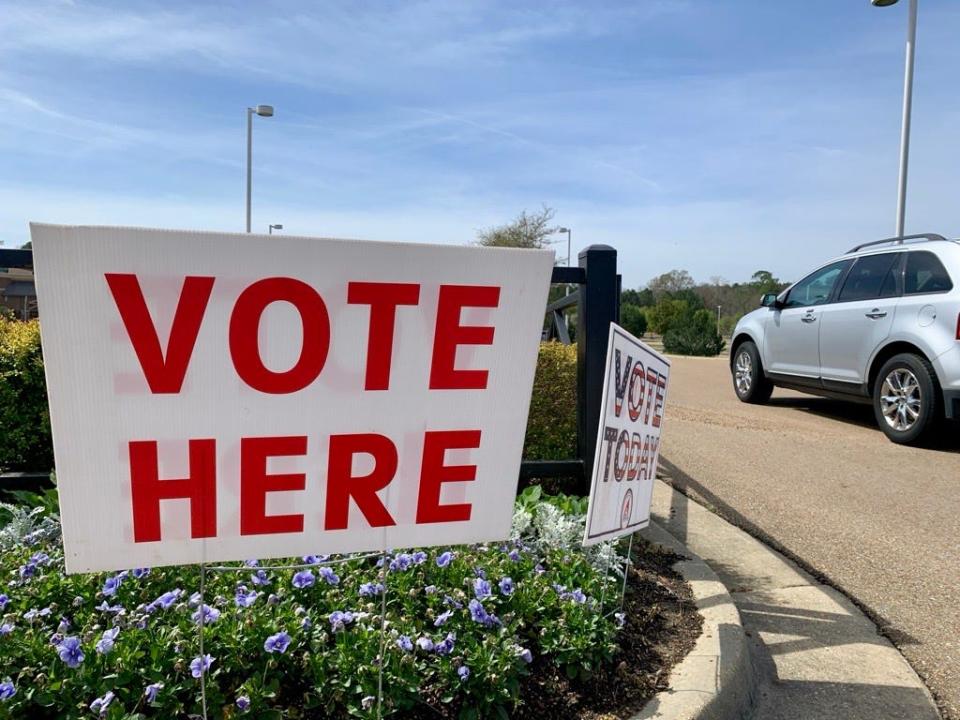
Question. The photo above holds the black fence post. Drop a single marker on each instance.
(597, 307)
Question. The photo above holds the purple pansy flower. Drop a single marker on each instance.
(140, 573)
(442, 618)
(7, 628)
(464, 672)
(260, 578)
(105, 643)
(339, 620)
(101, 704)
(243, 703)
(445, 647)
(371, 589)
(277, 643)
(111, 585)
(151, 691)
(327, 573)
(404, 643)
(425, 643)
(506, 586)
(514, 555)
(525, 655)
(206, 614)
(198, 666)
(3, 600)
(479, 614)
(70, 652)
(245, 598)
(303, 579)
(7, 690)
(444, 559)
(481, 588)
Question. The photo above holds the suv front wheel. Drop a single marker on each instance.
(749, 382)
(905, 398)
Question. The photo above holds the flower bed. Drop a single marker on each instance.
(465, 627)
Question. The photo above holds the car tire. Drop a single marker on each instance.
(749, 382)
(906, 399)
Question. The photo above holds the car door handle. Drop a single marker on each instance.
(809, 318)
(876, 314)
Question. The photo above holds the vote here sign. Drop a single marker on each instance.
(219, 397)
(628, 442)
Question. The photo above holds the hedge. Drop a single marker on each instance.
(24, 418)
(552, 424)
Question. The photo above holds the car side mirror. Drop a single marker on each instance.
(769, 300)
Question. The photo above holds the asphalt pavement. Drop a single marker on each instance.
(818, 480)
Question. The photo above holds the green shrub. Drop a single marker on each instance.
(552, 423)
(24, 418)
(633, 319)
(529, 606)
(695, 333)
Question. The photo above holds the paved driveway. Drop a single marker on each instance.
(820, 481)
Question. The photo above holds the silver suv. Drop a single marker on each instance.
(880, 325)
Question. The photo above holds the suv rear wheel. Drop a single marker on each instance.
(905, 398)
(749, 382)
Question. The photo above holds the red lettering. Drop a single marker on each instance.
(658, 408)
(433, 473)
(245, 331)
(449, 333)
(255, 483)
(147, 489)
(164, 371)
(342, 484)
(383, 299)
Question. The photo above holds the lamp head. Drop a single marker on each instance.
(883, 3)
(264, 110)
(562, 230)
(277, 227)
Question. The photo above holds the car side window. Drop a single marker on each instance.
(925, 274)
(816, 288)
(872, 276)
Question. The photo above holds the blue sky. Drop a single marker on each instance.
(719, 137)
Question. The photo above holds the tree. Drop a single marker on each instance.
(531, 231)
(670, 283)
(633, 319)
(662, 316)
(640, 298)
(765, 282)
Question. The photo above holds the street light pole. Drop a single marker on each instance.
(907, 107)
(262, 111)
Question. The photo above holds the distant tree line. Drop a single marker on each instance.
(686, 313)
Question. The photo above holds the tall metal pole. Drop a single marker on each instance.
(569, 232)
(249, 161)
(905, 126)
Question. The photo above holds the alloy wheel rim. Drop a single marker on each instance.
(900, 399)
(743, 373)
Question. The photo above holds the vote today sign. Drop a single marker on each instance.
(219, 397)
(628, 443)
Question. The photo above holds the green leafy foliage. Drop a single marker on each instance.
(24, 418)
(633, 319)
(694, 333)
(552, 423)
(499, 610)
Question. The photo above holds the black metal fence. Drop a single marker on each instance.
(597, 301)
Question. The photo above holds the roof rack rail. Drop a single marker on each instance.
(928, 237)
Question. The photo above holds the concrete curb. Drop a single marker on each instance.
(716, 680)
